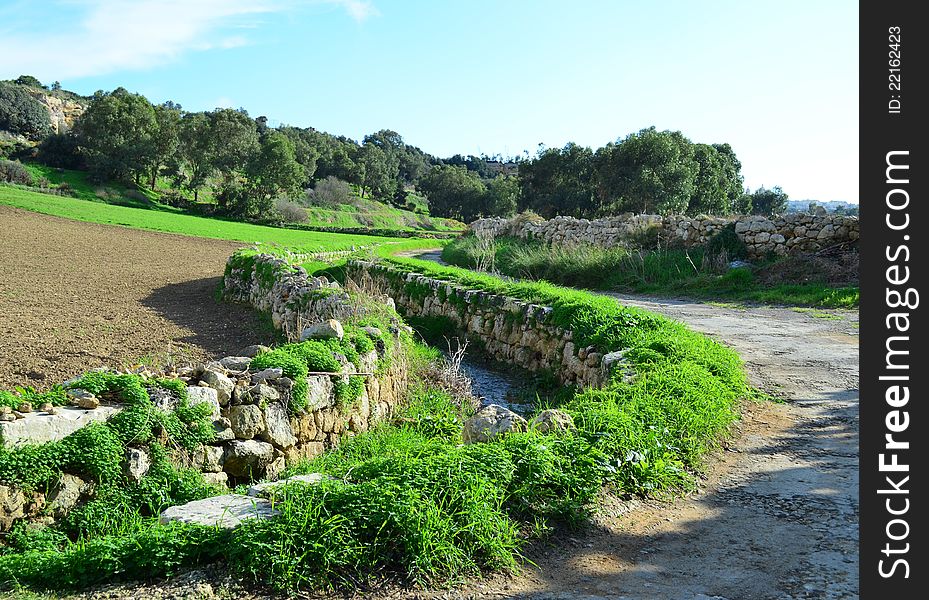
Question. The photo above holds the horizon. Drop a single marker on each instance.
(738, 77)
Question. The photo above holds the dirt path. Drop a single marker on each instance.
(777, 516)
(74, 296)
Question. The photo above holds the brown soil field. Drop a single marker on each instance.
(74, 296)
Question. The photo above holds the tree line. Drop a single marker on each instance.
(247, 165)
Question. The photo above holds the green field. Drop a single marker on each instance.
(169, 222)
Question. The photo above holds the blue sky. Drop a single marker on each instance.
(778, 80)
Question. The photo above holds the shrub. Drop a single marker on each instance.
(12, 171)
(289, 212)
(330, 193)
(727, 241)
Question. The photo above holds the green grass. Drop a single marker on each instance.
(675, 273)
(109, 193)
(156, 220)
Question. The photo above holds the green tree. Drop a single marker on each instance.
(648, 171)
(378, 175)
(454, 192)
(558, 182)
(193, 166)
(22, 114)
(166, 138)
(28, 80)
(769, 203)
(502, 196)
(116, 134)
(271, 172)
(233, 138)
(732, 170)
(711, 185)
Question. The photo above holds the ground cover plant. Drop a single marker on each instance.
(699, 272)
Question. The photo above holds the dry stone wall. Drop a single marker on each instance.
(506, 329)
(789, 233)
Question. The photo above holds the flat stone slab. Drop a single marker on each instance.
(226, 511)
(41, 427)
(269, 488)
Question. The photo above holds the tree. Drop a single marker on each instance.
(732, 170)
(22, 114)
(166, 138)
(502, 196)
(29, 81)
(769, 203)
(454, 192)
(711, 185)
(274, 170)
(558, 182)
(378, 177)
(648, 171)
(233, 139)
(116, 134)
(194, 164)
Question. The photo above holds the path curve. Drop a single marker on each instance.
(776, 517)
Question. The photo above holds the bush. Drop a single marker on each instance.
(726, 240)
(14, 172)
(290, 212)
(330, 193)
(60, 150)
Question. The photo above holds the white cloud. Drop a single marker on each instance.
(118, 35)
(357, 9)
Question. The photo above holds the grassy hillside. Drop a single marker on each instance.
(157, 220)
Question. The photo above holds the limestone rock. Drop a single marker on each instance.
(491, 422)
(320, 331)
(226, 512)
(220, 478)
(38, 428)
(262, 393)
(222, 384)
(236, 363)
(277, 429)
(67, 493)
(247, 458)
(254, 350)
(137, 464)
(270, 374)
(247, 421)
(198, 395)
(208, 459)
(83, 399)
(552, 421)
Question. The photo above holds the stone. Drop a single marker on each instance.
(270, 374)
(330, 329)
(277, 429)
(236, 363)
(38, 428)
(274, 470)
(67, 492)
(24, 407)
(262, 393)
(163, 399)
(137, 464)
(319, 392)
(48, 408)
(226, 512)
(6, 418)
(208, 459)
(83, 399)
(199, 395)
(776, 238)
(269, 489)
(247, 458)
(220, 478)
(254, 350)
(305, 451)
(490, 422)
(552, 421)
(222, 384)
(247, 421)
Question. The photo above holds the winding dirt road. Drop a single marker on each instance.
(776, 517)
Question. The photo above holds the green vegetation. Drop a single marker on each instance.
(96, 212)
(698, 272)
